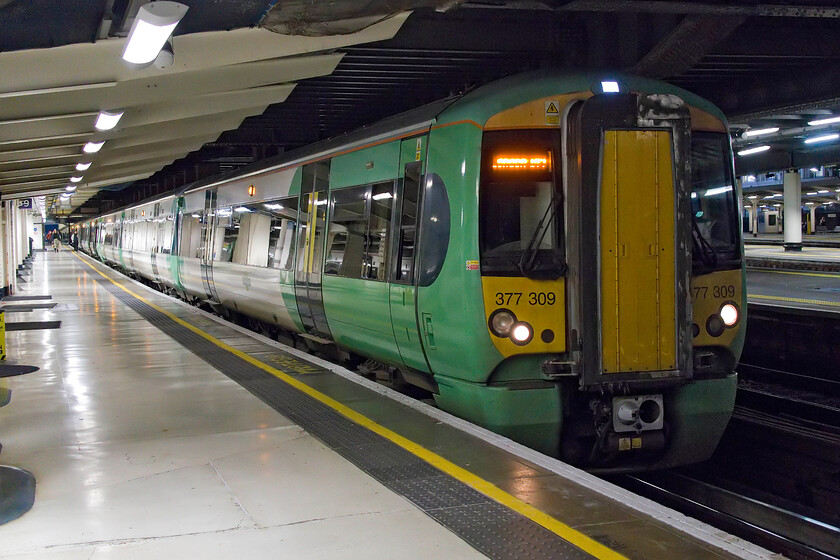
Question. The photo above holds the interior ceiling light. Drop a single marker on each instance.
(76, 179)
(761, 131)
(756, 150)
(82, 166)
(70, 188)
(107, 121)
(92, 147)
(829, 120)
(153, 25)
(825, 138)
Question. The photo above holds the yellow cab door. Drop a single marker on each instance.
(631, 187)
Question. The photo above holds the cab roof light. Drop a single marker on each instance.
(107, 121)
(818, 122)
(152, 27)
(824, 138)
(761, 131)
(756, 150)
(610, 86)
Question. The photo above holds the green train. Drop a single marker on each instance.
(556, 257)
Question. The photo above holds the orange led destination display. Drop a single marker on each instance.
(536, 163)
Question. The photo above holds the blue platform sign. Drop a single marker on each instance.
(25, 203)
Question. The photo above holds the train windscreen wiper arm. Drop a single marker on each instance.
(529, 255)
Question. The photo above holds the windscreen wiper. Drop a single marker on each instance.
(527, 263)
(707, 253)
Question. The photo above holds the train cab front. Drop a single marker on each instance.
(597, 233)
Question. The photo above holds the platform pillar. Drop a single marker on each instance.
(813, 219)
(793, 210)
(754, 219)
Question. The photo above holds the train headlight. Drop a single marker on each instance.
(522, 334)
(501, 322)
(729, 313)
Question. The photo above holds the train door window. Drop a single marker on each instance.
(109, 234)
(191, 235)
(118, 233)
(227, 231)
(520, 206)
(254, 235)
(406, 240)
(348, 228)
(281, 244)
(713, 205)
(379, 228)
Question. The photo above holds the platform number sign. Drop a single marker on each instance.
(25, 203)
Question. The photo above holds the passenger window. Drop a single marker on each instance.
(227, 231)
(408, 224)
(348, 226)
(281, 244)
(381, 202)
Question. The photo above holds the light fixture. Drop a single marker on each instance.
(382, 196)
(274, 206)
(761, 131)
(76, 179)
(241, 209)
(829, 120)
(717, 190)
(252, 190)
(749, 179)
(815, 170)
(824, 138)
(752, 197)
(729, 314)
(82, 166)
(107, 121)
(756, 150)
(822, 192)
(811, 193)
(610, 86)
(70, 188)
(153, 25)
(93, 147)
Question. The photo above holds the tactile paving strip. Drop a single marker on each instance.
(491, 528)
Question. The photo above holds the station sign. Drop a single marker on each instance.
(25, 203)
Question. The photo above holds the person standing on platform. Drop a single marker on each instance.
(74, 241)
(56, 243)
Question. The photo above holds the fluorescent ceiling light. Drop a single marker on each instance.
(241, 209)
(761, 131)
(717, 190)
(825, 138)
(752, 197)
(382, 196)
(76, 179)
(274, 206)
(810, 203)
(829, 120)
(610, 87)
(822, 192)
(70, 188)
(107, 121)
(153, 25)
(82, 166)
(811, 193)
(755, 150)
(93, 147)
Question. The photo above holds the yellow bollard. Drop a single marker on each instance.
(2, 335)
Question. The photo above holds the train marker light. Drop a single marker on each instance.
(501, 322)
(107, 121)
(93, 147)
(761, 131)
(729, 314)
(610, 87)
(522, 334)
(825, 138)
(82, 166)
(252, 190)
(756, 150)
(152, 27)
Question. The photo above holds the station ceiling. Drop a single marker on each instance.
(254, 78)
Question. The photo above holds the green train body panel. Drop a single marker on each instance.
(359, 317)
(371, 165)
(287, 288)
(530, 416)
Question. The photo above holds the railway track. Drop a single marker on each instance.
(789, 533)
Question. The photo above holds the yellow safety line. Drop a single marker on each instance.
(799, 273)
(795, 300)
(567, 533)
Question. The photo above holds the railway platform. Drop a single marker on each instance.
(809, 291)
(156, 430)
(820, 258)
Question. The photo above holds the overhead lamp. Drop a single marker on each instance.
(811, 193)
(752, 197)
(761, 131)
(76, 179)
(756, 150)
(382, 196)
(822, 192)
(93, 147)
(107, 121)
(82, 166)
(70, 188)
(829, 120)
(152, 27)
(815, 170)
(274, 206)
(824, 138)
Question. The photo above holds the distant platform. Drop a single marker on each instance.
(823, 258)
(818, 291)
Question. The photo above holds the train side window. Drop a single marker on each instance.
(379, 228)
(254, 229)
(407, 237)
(347, 230)
(227, 231)
(281, 244)
(190, 235)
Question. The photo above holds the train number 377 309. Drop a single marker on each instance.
(723, 291)
(532, 298)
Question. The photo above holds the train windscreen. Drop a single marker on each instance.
(520, 206)
(714, 214)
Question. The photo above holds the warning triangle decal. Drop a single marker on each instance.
(552, 108)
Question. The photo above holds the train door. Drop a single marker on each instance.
(208, 233)
(403, 289)
(631, 186)
(314, 198)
